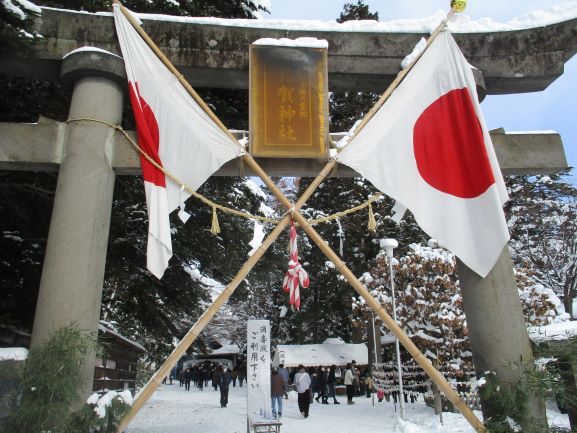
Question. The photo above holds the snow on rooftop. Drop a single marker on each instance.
(227, 349)
(544, 132)
(107, 328)
(298, 42)
(554, 331)
(13, 354)
(313, 355)
(460, 23)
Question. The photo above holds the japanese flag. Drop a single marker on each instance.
(428, 148)
(172, 129)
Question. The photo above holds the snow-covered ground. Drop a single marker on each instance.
(174, 410)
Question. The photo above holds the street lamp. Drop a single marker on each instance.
(389, 245)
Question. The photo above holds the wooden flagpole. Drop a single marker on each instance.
(357, 285)
(404, 339)
(208, 315)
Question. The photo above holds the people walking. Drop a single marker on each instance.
(322, 386)
(349, 383)
(241, 374)
(284, 373)
(187, 377)
(331, 382)
(303, 384)
(215, 377)
(223, 380)
(276, 393)
(234, 375)
(201, 374)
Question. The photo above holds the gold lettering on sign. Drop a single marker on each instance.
(288, 102)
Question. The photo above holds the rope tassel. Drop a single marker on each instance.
(372, 224)
(296, 276)
(215, 228)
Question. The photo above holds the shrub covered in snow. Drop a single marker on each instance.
(102, 412)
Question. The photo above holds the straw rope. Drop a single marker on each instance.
(213, 205)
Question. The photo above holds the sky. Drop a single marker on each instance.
(555, 108)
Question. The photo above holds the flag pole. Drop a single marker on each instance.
(357, 285)
(404, 339)
(155, 381)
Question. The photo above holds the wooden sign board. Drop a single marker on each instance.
(288, 102)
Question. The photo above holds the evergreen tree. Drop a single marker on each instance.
(132, 298)
(16, 25)
(349, 106)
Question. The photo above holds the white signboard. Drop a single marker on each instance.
(258, 368)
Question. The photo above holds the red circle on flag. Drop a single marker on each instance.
(449, 147)
(148, 136)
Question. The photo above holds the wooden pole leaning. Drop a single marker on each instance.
(404, 339)
(357, 285)
(209, 314)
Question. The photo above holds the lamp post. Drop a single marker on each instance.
(389, 245)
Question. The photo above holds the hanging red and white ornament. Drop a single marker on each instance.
(296, 276)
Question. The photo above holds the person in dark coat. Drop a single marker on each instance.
(322, 385)
(284, 373)
(241, 374)
(215, 377)
(201, 378)
(224, 380)
(277, 391)
(187, 377)
(331, 382)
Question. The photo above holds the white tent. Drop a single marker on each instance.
(332, 351)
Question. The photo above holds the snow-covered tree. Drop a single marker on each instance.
(429, 305)
(16, 24)
(542, 218)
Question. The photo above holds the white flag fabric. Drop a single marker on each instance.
(175, 131)
(428, 148)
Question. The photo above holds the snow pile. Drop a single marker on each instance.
(458, 24)
(215, 287)
(255, 189)
(13, 354)
(102, 403)
(295, 43)
(89, 49)
(554, 331)
(415, 53)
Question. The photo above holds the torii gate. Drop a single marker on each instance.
(74, 264)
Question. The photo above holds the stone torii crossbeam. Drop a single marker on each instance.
(99, 97)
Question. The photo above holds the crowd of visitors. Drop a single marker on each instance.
(319, 384)
(311, 384)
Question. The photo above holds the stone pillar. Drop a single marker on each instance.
(73, 271)
(497, 328)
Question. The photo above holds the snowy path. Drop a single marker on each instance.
(174, 410)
